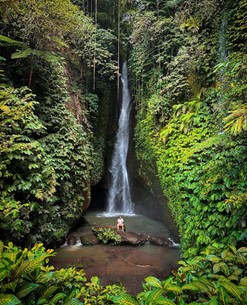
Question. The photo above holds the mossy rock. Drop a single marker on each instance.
(88, 239)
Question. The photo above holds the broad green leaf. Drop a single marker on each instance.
(231, 288)
(242, 250)
(49, 292)
(164, 301)
(125, 299)
(73, 302)
(10, 285)
(9, 299)
(10, 41)
(57, 297)
(1, 248)
(221, 267)
(11, 255)
(243, 281)
(26, 289)
(3, 274)
(21, 54)
(153, 281)
(41, 301)
(154, 295)
(213, 301)
(174, 288)
(190, 286)
(29, 266)
(5, 108)
(197, 286)
(213, 258)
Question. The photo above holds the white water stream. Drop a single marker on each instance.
(119, 197)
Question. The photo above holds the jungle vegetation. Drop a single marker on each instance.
(58, 82)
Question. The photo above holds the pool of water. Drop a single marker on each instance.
(128, 265)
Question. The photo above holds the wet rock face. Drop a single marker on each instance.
(159, 241)
(71, 240)
(89, 239)
(132, 238)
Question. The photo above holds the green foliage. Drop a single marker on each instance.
(192, 121)
(45, 161)
(106, 236)
(26, 173)
(26, 278)
(95, 294)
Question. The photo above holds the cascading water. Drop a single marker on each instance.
(119, 197)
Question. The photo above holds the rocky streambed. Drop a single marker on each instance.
(146, 248)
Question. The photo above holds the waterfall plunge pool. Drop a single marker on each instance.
(128, 265)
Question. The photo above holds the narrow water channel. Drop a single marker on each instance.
(124, 264)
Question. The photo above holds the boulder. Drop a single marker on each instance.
(71, 240)
(159, 241)
(88, 239)
(131, 238)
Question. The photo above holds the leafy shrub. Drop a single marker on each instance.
(27, 279)
(107, 236)
(95, 294)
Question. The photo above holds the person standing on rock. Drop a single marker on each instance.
(120, 224)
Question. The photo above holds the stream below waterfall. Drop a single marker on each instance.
(124, 264)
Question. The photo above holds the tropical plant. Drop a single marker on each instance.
(26, 172)
(27, 279)
(106, 235)
(96, 294)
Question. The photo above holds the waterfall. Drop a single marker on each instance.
(119, 197)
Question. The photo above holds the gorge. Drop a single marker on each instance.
(186, 153)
